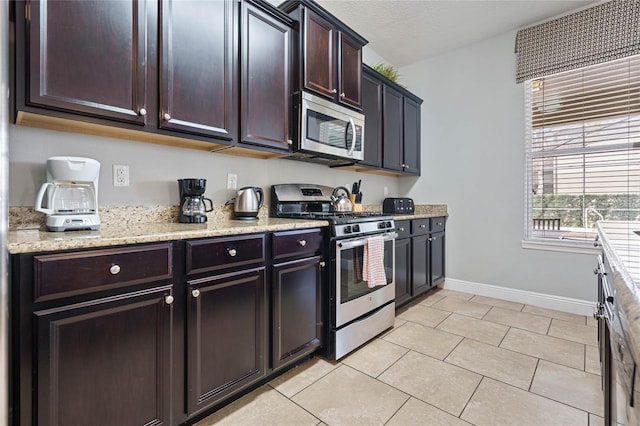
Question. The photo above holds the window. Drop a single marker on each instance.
(582, 151)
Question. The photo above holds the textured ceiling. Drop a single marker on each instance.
(404, 32)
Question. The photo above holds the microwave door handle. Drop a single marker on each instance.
(353, 136)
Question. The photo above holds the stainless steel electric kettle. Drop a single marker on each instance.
(248, 202)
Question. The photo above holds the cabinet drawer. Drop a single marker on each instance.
(222, 253)
(403, 228)
(437, 223)
(287, 244)
(68, 274)
(419, 226)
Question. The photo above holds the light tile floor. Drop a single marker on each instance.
(452, 358)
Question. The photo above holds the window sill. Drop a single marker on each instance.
(562, 246)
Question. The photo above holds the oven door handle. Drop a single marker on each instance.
(346, 245)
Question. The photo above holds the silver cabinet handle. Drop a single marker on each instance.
(232, 252)
(322, 264)
(115, 269)
(289, 142)
(168, 299)
(166, 116)
(302, 243)
(401, 229)
(334, 91)
(342, 95)
(423, 226)
(195, 292)
(142, 112)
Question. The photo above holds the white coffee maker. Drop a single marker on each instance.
(71, 194)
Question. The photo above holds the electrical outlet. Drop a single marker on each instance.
(120, 175)
(232, 181)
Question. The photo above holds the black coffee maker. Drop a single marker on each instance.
(193, 205)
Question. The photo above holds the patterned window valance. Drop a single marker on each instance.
(602, 33)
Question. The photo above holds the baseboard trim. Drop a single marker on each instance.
(549, 301)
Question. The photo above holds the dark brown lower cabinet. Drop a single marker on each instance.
(105, 362)
(226, 335)
(296, 310)
(403, 270)
(419, 257)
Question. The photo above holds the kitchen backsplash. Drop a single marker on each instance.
(28, 218)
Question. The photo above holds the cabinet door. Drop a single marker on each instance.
(372, 109)
(226, 335)
(437, 258)
(393, 129)
(319, 55)
(297, 310)
(350, 71)
(198, 83)
(266, 79)
(105, 362)
(411, 137)
(420, 268)
(89, 57)
(403, 270)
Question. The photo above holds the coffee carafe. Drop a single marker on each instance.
(193, 204)
(70, 194)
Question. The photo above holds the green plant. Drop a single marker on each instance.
(388, 71)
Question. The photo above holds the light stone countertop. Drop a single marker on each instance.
(30, 241)
(621, 247)
(136, 224)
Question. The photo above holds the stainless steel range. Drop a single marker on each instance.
(356, 311)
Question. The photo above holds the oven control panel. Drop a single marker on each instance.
(363, 228)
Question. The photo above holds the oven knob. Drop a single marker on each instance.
(347, 229)
(356, 228)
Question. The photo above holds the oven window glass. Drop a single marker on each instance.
(331, 131)
(352, 285)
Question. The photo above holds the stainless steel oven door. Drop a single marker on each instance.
(354, 298)
(331, 129)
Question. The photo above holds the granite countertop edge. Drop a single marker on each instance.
(622, 250)
(35, 240)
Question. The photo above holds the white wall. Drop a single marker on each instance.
(473, 160)
(154, 169)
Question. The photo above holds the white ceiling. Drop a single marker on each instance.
(408, 31)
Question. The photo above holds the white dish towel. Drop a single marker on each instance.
(373, 262)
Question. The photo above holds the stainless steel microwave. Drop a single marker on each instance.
(327, 130)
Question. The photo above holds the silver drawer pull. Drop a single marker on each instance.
(115, 269)
(166, 116)
(168, 299)
(423, 226)
(142, 112)
(232, 252)
(401, 229)
(195, 292)
(302, 243)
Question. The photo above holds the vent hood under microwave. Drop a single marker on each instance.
(325, 132)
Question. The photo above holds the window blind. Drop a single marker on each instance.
(599, 34)
(583, 149)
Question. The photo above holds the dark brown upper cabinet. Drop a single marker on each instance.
(213, 75)
(88, 58)
(265, 58)
(199, 77)
(329, 54)
(392, 120)
(372, 109)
